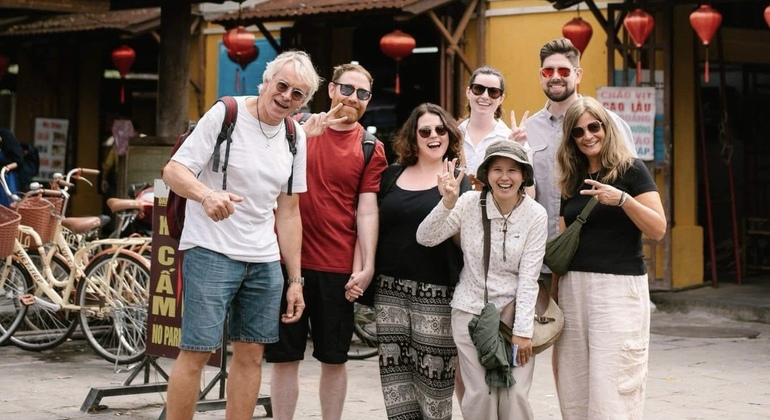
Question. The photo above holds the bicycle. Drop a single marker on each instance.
(365, 329)
(105, 292)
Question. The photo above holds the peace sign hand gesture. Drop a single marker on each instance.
(519, 131)
(317, 123)
(448, 184)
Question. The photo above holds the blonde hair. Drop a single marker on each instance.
(572, 164)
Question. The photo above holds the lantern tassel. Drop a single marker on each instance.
(243, 85)
(706, 71)
(398, 81)
(237, 80)
(122, 93)
(639, 68)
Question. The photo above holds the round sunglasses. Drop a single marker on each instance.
(296, 94)
(593, 128)
(478, 90)
(548, 72)
(424, 132)
(347, 90)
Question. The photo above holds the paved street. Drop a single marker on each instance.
(704, 368)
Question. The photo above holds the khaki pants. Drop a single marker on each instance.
(478, 402)
(600, 360)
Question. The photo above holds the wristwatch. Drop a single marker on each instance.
(292, 280)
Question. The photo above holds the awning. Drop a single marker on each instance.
(292, 9)
(131, 21)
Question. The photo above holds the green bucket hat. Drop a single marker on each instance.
(511, 150)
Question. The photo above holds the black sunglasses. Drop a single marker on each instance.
(296, 94)
(548, 72)
(347, 90)
(593, 128)
(425, 131)
(478, 90)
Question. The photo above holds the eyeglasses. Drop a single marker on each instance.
(478, 90)
(347, 90)
(296, 94)
(548, 72)
(425, 131)
(593, 128)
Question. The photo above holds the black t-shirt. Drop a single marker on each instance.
(609, 241)
(398, 253)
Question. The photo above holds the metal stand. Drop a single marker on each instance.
(91, 404)
(95, 395)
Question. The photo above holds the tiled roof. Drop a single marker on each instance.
(288, 9)
(136, 20)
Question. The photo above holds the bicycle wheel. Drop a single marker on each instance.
(365, 329)
(15, 283)
(114, 296)
(44, 327)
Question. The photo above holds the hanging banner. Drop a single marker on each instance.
(636, 105)
(164, 320)
(51, 142)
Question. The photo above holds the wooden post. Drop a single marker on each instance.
(174, 68)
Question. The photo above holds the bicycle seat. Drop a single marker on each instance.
(81, 224)
(123, 204)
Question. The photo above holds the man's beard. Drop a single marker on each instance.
(353, 114)
(561, 97)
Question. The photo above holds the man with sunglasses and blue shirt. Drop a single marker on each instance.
(560, 74)
(340, 226)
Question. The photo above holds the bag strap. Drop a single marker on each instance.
(291, 137)
(487, 232)
(583, 216)
(225, 135)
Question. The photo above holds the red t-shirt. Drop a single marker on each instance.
(335, 177)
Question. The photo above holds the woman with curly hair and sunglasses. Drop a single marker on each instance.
(414, 285)
(600, 360)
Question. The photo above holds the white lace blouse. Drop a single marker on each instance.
(511, 276)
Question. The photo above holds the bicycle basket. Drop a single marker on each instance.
(9, 228)
(41, 214)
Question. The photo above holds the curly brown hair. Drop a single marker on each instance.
(405, 143)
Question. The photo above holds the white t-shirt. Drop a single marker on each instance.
(258, 170)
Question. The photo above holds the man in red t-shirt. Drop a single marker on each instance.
(339, 239)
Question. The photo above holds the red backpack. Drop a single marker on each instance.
(176, 204)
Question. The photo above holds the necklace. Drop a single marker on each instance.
(506, 218)
(259, 121)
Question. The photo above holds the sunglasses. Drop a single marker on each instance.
(347, 90)
(425, 131)
(548, 72)
(296, 94)
(593, 128)
(478, 90)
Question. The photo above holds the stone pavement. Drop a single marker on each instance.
(705, 367)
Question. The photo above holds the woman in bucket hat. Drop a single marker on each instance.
(517, 245)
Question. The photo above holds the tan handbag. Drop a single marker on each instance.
(549, 319)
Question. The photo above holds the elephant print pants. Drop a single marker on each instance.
(417, 352)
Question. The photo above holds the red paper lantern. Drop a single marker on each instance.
(240, 50)
(123, 57)
(705, 21)
(397, 45)
(767, 15)
(639, 25)
(4, 63)
(579, 32)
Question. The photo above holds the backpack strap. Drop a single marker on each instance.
(389, 178)
(291, 138)
(225, 135)
(367, 143)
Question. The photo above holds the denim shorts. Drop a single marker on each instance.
(215, 286)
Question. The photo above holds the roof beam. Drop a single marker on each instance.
(64, 6)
